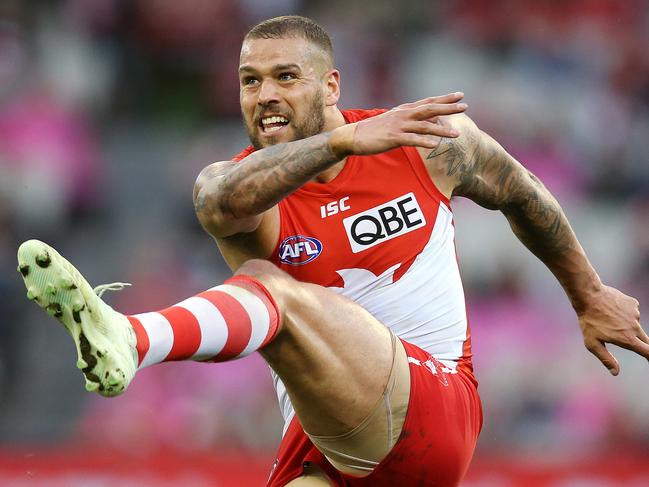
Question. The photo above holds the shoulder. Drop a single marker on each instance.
(477, 166)
(469, 138)
(449, 163)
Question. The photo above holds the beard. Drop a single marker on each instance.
(311, 124)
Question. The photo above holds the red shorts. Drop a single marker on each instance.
(436, 444)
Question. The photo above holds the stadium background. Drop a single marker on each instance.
(109, 109)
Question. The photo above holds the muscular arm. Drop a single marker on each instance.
(484, 172)
(231, 197)
(488, 175)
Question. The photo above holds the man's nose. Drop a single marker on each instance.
(268, 93)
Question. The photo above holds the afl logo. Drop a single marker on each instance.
(298, 250)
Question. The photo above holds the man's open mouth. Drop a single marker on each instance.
(273, 124)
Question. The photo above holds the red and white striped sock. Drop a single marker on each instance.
(225, 322)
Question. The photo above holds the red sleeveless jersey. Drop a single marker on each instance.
(382, 234)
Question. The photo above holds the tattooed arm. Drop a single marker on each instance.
(480, 169)
(232, 198)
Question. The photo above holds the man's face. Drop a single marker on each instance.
(281, 90)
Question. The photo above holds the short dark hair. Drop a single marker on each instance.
(293, 26)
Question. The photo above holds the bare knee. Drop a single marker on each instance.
(278, 283)
(298, 305)
(265, 272)
(259, 269)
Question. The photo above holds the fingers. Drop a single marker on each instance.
(417, 140)
(598, 349)
(634, 344)
(431, 110)
(642, 335)
(638, 346)
(634, 339)
(430, 128)
(448, 98)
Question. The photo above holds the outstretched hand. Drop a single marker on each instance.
(410, 124)
(613, 317)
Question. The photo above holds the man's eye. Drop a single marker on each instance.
(249, 81)
(286, 76)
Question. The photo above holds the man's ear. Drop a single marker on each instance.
(332, 93)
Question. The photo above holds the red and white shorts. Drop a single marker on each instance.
(436, 444)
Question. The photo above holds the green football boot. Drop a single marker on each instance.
(104, 338)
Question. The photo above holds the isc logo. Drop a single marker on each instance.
(384, 222)
(298, 250)
(334, 207)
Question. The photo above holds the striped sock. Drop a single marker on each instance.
(225, 322)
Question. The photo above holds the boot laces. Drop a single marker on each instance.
(113, 286)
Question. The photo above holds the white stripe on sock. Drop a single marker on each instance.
(161, 337)
(257, 312)
(214, 331)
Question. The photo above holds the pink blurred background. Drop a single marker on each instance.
(110, 108)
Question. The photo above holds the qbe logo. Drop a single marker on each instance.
(384, 222)
(298, 250)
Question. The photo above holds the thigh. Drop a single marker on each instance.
(437, 441)
(361, 450)
(333, 356)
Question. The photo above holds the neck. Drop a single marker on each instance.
(333, 119)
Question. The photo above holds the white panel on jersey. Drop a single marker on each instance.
(214, 331)
(426, 306)
(161, 337)
(359, 282)
(257, 311)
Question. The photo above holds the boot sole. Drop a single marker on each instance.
(53, 286)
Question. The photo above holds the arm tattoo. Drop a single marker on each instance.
(208, 173)
(443, 147)
(485, 173)
(200, 203)
(267, 176)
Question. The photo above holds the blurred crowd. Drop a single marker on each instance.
(110, 108)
